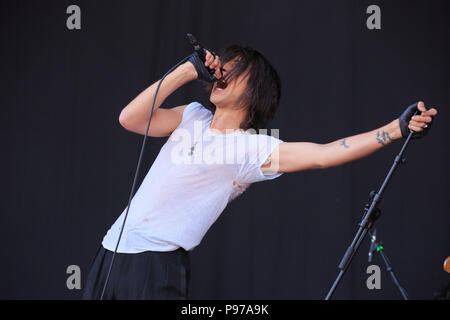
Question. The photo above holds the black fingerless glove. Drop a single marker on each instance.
(204, 73)
(404, 119)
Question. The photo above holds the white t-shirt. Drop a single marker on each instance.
(196, 173)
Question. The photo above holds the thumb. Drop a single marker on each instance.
(421, 106)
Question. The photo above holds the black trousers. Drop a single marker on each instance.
(139, 276)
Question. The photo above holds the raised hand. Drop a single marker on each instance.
(211, 62)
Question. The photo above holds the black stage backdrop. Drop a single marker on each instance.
(68, 165)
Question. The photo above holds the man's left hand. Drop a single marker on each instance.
(419, 123)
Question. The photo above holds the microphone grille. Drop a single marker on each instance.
(192, 39)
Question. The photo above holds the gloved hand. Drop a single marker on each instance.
(208, 71)
(416, 118)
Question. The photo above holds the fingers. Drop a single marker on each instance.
(421, 121)
(218, 67)
(216, 63)
(421, 106)
(213, 63)
(218, 73)
(209, 59)
(432, 112)
(415, 128)
(422, 118)
(418, 124)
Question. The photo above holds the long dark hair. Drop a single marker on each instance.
(263, 92)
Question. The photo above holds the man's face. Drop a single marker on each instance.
(228, 97)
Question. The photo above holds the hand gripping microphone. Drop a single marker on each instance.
(198, 59)
(199, 49)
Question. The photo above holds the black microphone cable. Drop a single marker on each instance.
(137, 171)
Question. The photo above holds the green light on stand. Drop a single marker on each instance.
(379, 248)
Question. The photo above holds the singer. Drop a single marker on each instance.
(192, 179)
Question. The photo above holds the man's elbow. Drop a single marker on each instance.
(322, 165)
(124, 119)
(322, 159)
(326, 163)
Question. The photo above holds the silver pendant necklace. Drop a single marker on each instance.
(191, 152)
(192, 148)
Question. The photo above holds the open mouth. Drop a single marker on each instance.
(221, 84)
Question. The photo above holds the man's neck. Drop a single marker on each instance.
(227, 119)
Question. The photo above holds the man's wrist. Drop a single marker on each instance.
(388, 133)
(188, 70)
(394, 131)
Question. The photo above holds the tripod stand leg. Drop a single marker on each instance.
(393, 276)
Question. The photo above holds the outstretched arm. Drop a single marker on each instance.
(134, 117)
(297, 156)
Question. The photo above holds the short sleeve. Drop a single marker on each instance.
(193, 111)
(259, 148)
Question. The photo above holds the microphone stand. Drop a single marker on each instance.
(379, 248)
(371, 213)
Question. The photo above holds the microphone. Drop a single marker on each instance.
(201, 52)
(373, 244)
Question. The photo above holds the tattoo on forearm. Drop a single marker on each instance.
(346, 146)
(383, 137)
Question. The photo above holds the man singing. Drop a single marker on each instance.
(211, 156)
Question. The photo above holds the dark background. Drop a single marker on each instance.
(68, 165)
